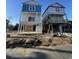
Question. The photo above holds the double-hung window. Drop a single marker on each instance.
(31, 19)
(57, 9)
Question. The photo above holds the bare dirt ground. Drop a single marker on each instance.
(41, 52)
(49, 48)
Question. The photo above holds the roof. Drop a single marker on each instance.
(34, 2)
(56, 4)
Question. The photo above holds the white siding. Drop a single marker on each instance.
(37, 22)
(39, 28)
(24, 19)
(56, 19)
(52, 10)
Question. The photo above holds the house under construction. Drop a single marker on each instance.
(53, 18)
(30, 20)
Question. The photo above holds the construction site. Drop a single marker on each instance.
(35, 37)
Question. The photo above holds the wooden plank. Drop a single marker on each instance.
(28, 28)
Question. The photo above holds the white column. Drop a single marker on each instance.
(48, 28)
(19, 27)
(60, 28)
(25, 27)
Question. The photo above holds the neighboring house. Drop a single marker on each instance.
(68, 27)
(53, 18)
(30, 20)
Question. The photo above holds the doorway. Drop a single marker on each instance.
(34, 27)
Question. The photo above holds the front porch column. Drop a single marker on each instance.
(49, 26)
(20, 27)
(60, 28)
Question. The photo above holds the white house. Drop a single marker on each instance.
(30, 20)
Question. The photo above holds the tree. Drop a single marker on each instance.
(16, 27)
(9, 27)
(7, 23)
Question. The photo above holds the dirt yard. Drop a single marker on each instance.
(36, 40)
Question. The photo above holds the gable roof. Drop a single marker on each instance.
(34, 2)
(56, 4)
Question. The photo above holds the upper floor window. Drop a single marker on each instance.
(31, 19)
(31, 8)
(57, 9)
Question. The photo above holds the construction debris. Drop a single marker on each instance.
(41, 40)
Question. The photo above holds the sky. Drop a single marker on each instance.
(13, 8)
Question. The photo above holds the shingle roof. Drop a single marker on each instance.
(56, 4)
(32, 2)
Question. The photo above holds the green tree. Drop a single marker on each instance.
(7, 23)
(9, 27)
(16, 27)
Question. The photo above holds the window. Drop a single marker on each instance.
(57, 9)
(30, 19)
(25, 8)
(31, 8)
